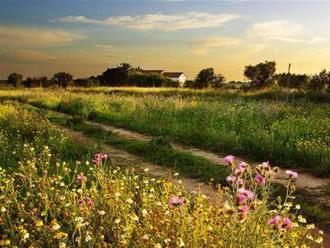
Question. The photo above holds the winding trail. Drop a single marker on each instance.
(124, 159)
(305, 180)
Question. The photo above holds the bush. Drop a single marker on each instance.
(321, 81)
(150, 80)
(294, 81)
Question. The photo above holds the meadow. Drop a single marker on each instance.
(55, 192)
(290, 129)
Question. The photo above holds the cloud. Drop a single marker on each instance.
(31, 56)
(190, 20)
(283, 30)
(104, 47)
(204, 44)
(35, 37)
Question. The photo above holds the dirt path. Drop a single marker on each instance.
(124, 159)
(304, 181)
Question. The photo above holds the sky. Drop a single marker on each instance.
(84, 37)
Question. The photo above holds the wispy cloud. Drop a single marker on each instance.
(25, 55)
(158, 21)
(283, 30)
(204, 44)
(35, 37)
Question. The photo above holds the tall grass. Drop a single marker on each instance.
(268, 125)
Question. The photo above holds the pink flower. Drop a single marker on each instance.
(291, 174)
(80, 202)
(81, 179)
(99, 158)
(89, 201)
(242, 165)
(231, 179)
(244, 195)
(287, 224)
(260, 179)
(235, 180)
(275, 221)
(175, 202)
(229, 159)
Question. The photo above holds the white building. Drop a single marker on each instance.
(176, 76)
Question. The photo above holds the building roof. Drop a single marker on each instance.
(153, 71)
(172, 74)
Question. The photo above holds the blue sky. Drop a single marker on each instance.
(85, 37)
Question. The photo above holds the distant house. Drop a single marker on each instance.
(175, 76)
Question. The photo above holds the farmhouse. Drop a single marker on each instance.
(175, 76)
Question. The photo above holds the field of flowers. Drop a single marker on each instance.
(52, 195)
(289, 129)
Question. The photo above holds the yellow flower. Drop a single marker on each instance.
(39, 223)
(60, 235)
(54, 225)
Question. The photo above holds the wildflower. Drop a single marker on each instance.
(99, 158)
(89, 201)
(144, 212)
(101, 212)
(54, 225)
(175, 202)
(275, 221)
(117, 221)
(62, 245)
(244, 195)
(260, 179)
(80, 202)
(61, 235)
(287, 224)
(229, 159)
(81, 179)
(39, 223)
(301, 219)
(291, 174)
(3, 209)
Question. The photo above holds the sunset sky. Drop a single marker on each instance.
(84, 37)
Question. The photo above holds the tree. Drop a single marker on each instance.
(218, 81)
(204, 78)
(293, 81)
(207, 78)
(116, 76)
(35, 82)
(321, 81)
(261, 74)
(62, 79)
(15, 79)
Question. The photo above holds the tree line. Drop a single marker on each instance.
(260, 75)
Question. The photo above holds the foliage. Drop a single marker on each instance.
(294, 81)
(150, 80)
(15, 79)
(207, 78)
(62, 79)
(36, 82)
(321, 81)
(87, 82)
(116, 76)
(262, 74)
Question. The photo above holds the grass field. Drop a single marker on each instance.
(291, 129)
(56, 193)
